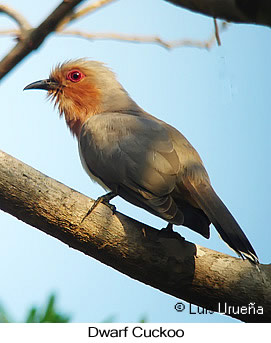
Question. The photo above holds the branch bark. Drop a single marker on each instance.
(180, 268)
(238, 11)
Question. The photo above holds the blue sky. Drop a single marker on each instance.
(219, 99)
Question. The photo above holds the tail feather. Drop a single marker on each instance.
(222, 219)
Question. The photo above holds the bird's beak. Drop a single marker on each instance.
(47, 85)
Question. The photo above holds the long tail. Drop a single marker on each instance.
(222, 219)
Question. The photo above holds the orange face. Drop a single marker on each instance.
(77, 96)
(73, 88)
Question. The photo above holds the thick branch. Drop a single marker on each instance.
(33, 39)
(171, 264)
(238, 11)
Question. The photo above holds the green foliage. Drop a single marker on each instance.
(143, 319)
(3, 316)
(49, 314)
(109, 319)
(112, 319)
(43, 314)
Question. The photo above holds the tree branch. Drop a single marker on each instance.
(238, 11)
(217, 36)
(19, 19)
(207, 44)
(84, 11)
(30, 39)
(169, 263)
(33, 38)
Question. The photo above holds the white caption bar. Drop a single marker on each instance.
(130, 333)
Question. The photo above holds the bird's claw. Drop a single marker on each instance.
(168, 232)
(168, 228)
(105, 200)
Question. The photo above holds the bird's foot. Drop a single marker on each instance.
(169, 233)
(168, 228)
(105, 200)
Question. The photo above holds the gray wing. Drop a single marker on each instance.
(135, 157)
(151, 165)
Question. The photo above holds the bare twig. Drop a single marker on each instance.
(84, 11)
(217, 32)
(9, 32)
(119, 37)
(35, 37)
(137, 38)
(146, 39)
(18, 17)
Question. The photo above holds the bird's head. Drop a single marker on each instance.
(83, 88)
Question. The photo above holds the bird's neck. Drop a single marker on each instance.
(75, 121)
(77, 107)
(76, 117)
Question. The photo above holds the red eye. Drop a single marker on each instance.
(75, 75)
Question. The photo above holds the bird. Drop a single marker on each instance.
(134, 155)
